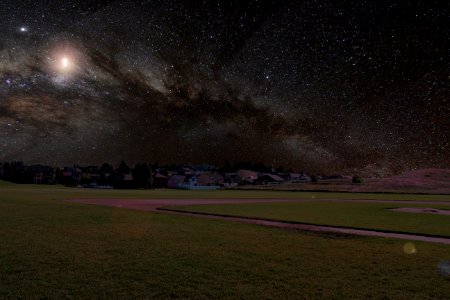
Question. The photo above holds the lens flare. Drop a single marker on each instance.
(409, 248)
(444, 269)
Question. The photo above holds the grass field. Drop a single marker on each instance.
(53, 249)
(60, 192)
(358, 215)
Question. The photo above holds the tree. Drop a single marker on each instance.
(123, 168)
(227, 167)
(141, 175)
(357, 179)
(106, 168)
(150, 181)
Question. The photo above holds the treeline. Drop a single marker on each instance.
(141, 175)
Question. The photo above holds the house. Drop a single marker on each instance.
(247, 176)
(202, 182)
(202, 168)
(160, 181)
(194, 182)
(231, 178)
(269, 179)
(41, 174)
(294, 176)
(91, 172)
(176, 181)
(186, 171)
(209, 179)
(122, 181)
(69, 176)
(298, 178)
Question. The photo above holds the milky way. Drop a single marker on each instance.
(313, 85)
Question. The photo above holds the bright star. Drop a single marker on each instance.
(65, 62)
(23, 29)
(65, 65)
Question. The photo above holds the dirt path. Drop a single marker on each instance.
(163, 205)
(416, 210)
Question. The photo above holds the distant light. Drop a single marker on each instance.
(23, 29)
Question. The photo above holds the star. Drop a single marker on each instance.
(65, 63)
(23, 29)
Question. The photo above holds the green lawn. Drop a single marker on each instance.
(347, 214)
(53, 249)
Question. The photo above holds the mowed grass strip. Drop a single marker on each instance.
(375, 216)
(54, 249)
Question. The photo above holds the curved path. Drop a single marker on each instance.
(163, 205)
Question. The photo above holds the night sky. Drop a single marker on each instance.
(326, 86)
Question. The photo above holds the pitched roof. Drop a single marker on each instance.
(274, 177)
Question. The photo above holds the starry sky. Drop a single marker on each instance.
(325, 86)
